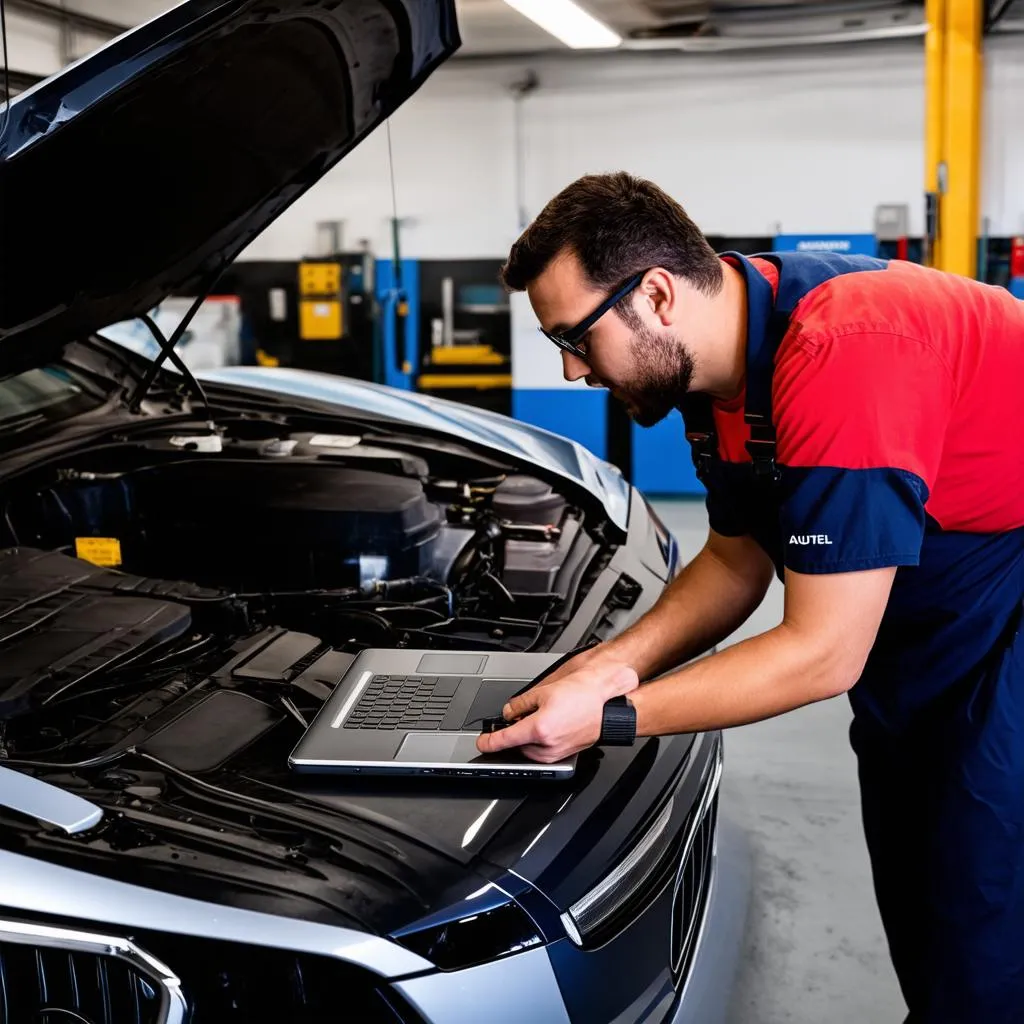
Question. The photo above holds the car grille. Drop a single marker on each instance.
(693, 882)
(233, 983)
(64, 976)
(91, 980)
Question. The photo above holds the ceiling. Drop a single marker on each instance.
(491, 28)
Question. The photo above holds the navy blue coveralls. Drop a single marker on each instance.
(867, 438)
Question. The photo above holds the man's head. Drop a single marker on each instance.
(588, 242)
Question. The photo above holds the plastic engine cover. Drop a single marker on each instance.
(262, 525)
(63, 620)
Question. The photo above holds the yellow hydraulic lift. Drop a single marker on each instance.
(954, 88)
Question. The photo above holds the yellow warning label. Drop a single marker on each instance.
(105, 551)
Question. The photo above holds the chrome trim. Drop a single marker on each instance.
(45, 802)
(571, 930)
(570, 919)
(173, 1007)
(698, 819)
(350, 701)
(699, 937)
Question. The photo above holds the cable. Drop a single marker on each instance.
(391, 168)
(7, 71)
(92, 762)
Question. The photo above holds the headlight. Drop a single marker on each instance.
(651, 862)
(618, 889)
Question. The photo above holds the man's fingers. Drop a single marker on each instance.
(519, 706)
(512, 736)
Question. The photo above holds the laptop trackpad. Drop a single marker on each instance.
(431, 748)
(491, 698)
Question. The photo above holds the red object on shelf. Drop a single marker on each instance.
(902, 249)
(1017, 257)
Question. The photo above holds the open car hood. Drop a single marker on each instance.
(147, 167)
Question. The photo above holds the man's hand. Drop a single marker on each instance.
(562, 715)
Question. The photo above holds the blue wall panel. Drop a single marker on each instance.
(579, 415)
(662, 463)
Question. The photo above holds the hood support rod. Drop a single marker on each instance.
(167, 352)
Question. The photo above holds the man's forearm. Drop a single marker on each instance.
(703, 605)
(759, 678)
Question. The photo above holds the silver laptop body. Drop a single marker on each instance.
(420, 713)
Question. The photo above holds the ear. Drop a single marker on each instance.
(660, 291)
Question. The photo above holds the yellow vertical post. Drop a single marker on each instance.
(962, 99)
(935, 115)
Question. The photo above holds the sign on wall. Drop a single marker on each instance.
(844, 245)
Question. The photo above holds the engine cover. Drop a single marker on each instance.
(250, 525)
(63, 621)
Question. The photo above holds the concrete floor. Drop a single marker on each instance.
(815, 950)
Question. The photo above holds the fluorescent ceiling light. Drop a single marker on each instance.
(567, 21)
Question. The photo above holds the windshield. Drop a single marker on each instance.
(42, 395)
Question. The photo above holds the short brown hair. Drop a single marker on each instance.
(618, 225)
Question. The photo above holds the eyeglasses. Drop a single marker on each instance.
(569, 340)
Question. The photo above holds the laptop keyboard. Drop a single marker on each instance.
(404, 702)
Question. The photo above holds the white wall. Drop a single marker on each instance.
(1002, 154)
(807, 142)
(35, 45)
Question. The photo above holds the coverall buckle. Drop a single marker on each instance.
(762, 454)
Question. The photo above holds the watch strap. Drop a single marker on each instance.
(618, 723)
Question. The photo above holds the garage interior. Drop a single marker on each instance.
(887, 128)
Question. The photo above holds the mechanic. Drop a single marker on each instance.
(858, 426)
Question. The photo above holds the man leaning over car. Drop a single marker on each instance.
(846, 417)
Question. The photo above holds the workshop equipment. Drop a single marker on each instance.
(467, 317)
(320, 300)
(314, 314)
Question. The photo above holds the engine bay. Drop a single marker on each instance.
(166, 557)
(176, 605)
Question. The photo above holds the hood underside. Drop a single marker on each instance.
(147, 167)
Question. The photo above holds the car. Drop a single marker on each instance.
(189, 563)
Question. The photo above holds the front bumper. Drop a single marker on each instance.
(557, 984)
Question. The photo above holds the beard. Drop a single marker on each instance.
(663, 374)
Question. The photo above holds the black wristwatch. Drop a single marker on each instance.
(618, 724)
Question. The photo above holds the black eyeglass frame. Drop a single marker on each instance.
(568, 340)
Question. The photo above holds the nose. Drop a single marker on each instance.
(573, 368)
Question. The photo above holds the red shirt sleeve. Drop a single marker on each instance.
(860, 419)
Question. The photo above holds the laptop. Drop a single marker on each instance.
(420, 713)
